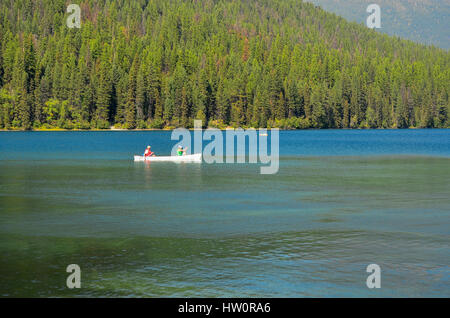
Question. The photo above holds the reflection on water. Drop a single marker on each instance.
(165, 229)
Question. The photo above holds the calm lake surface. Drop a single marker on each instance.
(341, 200)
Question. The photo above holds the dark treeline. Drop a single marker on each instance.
(163, 63)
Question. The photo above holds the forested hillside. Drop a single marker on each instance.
(423, 21)
(163, 63)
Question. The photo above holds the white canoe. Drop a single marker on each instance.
(187, 158)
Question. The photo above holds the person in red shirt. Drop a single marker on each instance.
(148, 152)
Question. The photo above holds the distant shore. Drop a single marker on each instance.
(224, 129)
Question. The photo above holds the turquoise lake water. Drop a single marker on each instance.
(341, 200)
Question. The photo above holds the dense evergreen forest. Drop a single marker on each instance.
(248, 63)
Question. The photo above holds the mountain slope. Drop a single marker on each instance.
(162, 63)
(423, 21)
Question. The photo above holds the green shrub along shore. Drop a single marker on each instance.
(230, 63)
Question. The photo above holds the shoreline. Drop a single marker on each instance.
(222, 129)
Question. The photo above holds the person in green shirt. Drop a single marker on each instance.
(181, 151)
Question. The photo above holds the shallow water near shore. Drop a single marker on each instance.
(340, 201)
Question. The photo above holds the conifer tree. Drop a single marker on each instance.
(165, 63)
